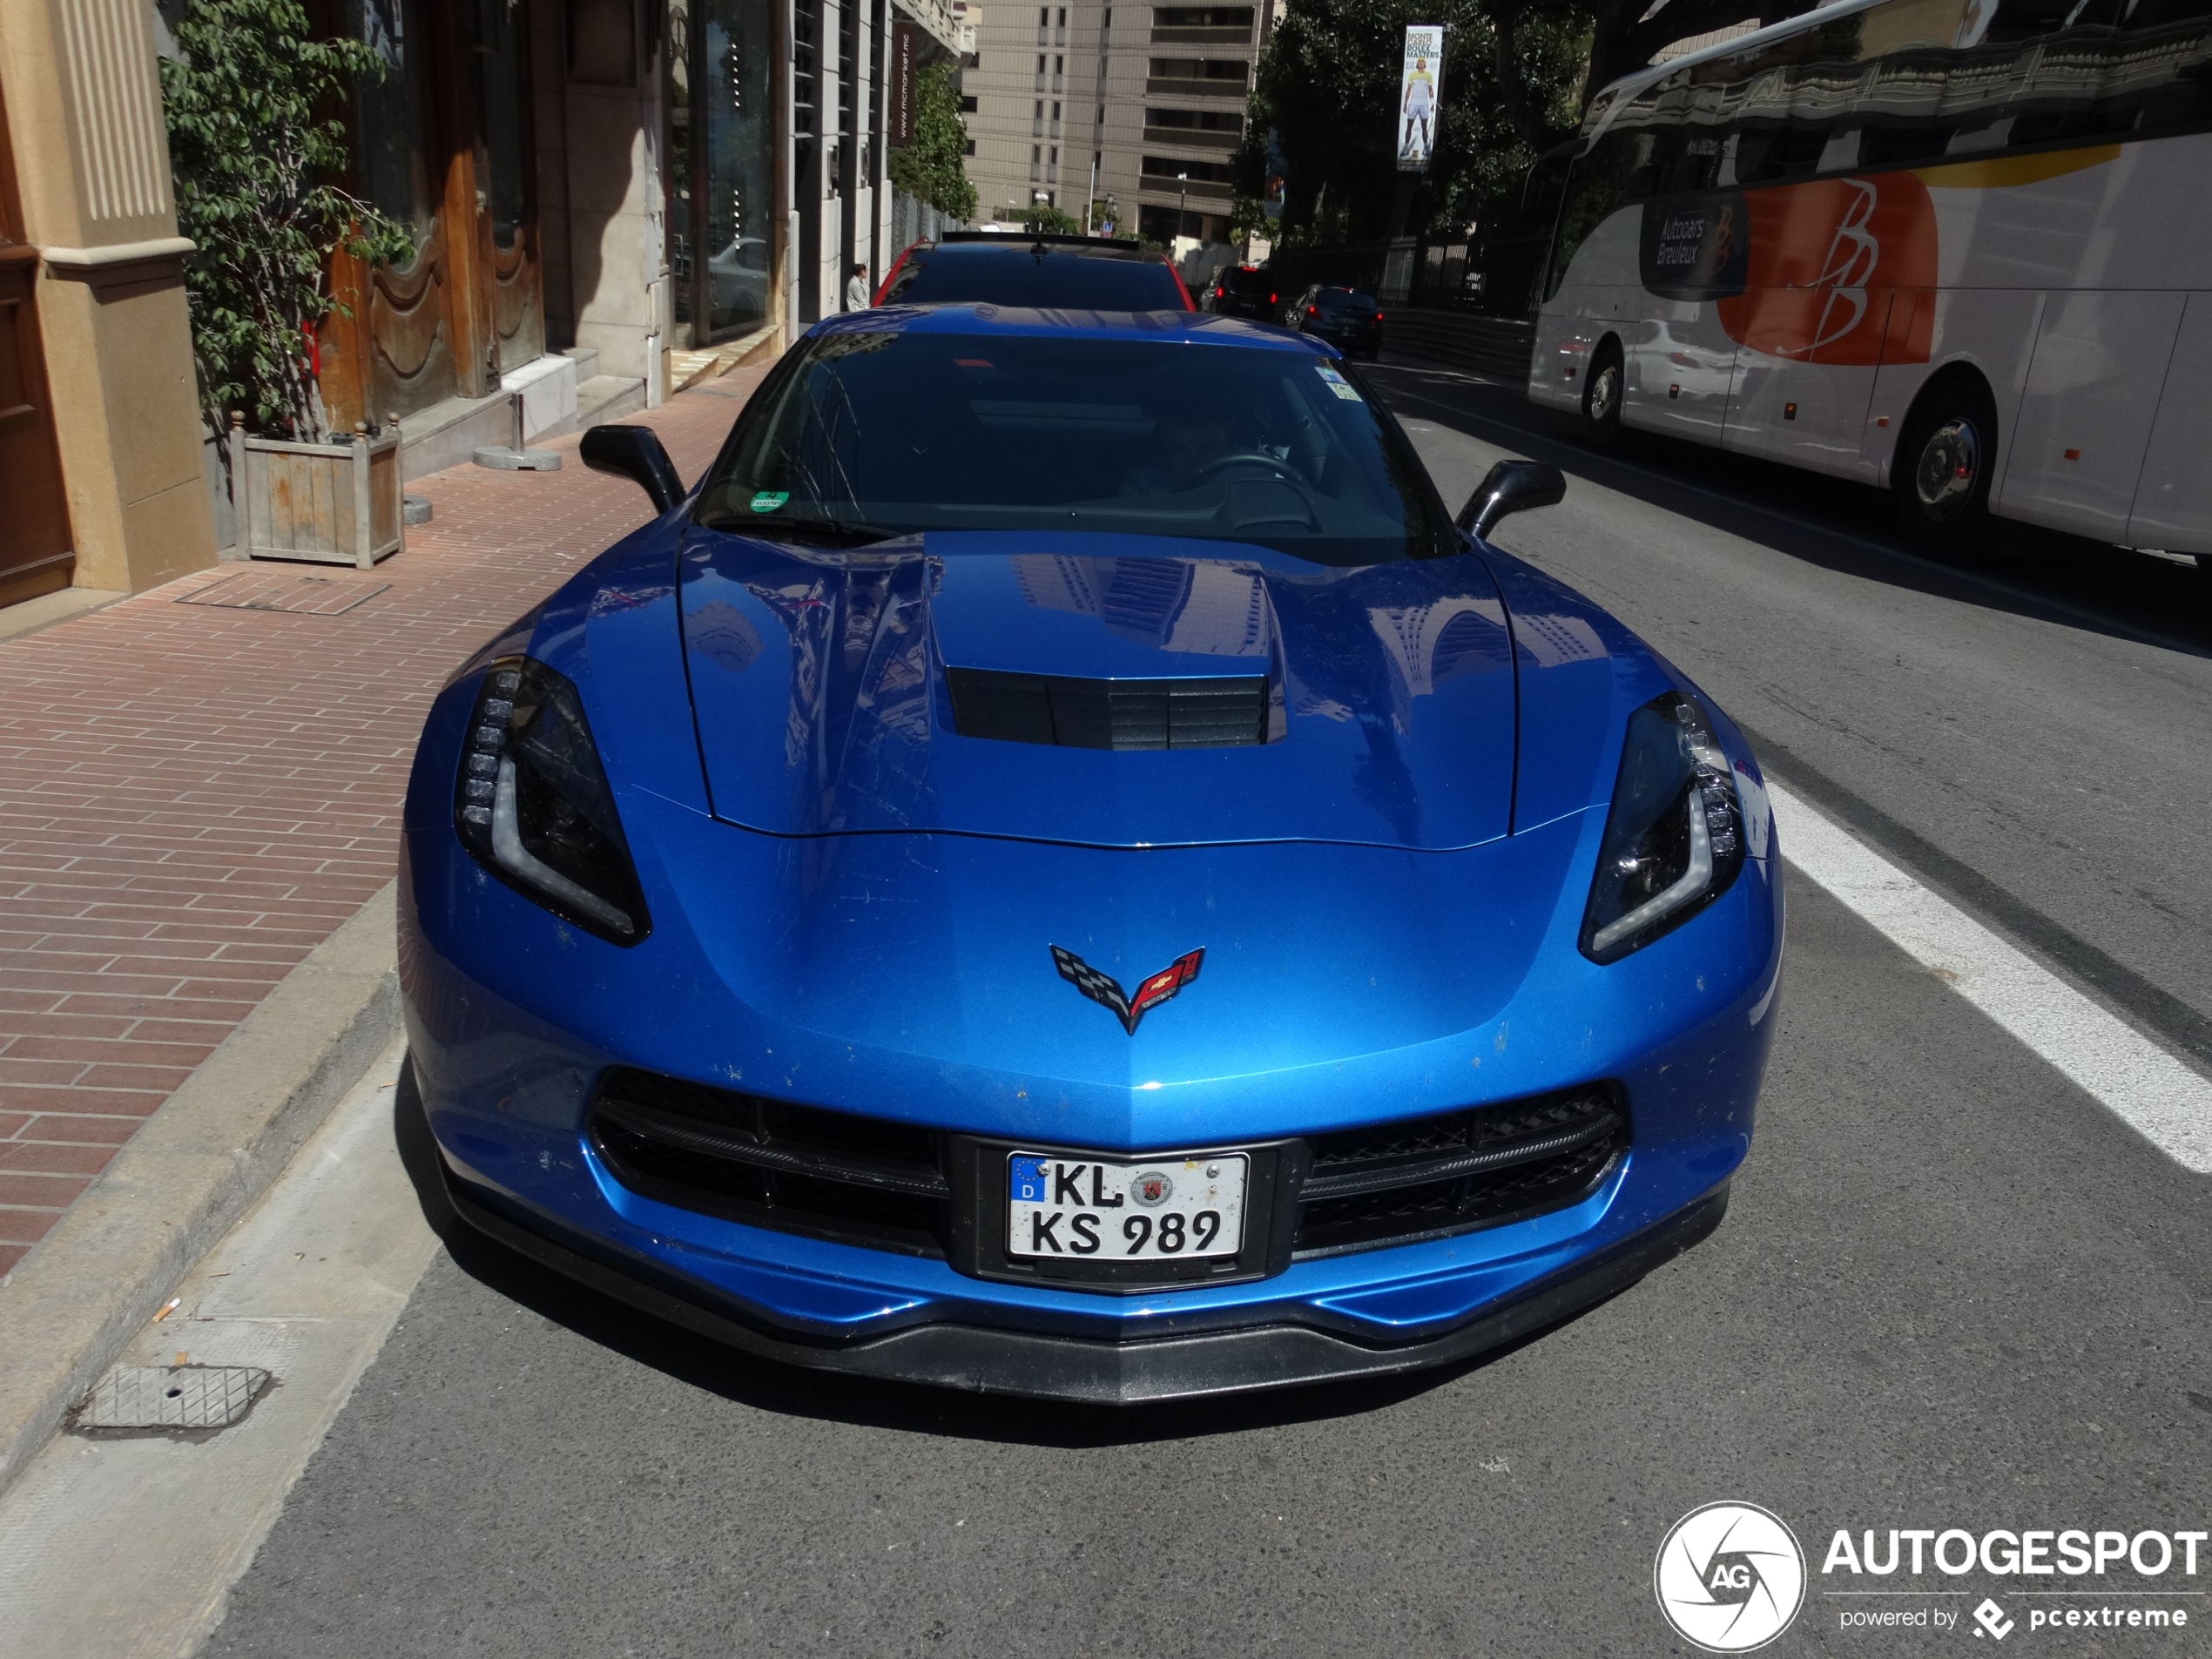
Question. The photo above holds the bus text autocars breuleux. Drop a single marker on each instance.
(1962, 248)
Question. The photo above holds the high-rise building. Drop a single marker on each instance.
(1133, 108)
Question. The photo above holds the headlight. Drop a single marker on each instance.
(532, 802)
(1674, 840)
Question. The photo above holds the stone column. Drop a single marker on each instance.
(91, 156)
(616, 207)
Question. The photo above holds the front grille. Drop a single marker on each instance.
(1393, 1182)
(1109, 714)
(775, 1163)
(882, 1183)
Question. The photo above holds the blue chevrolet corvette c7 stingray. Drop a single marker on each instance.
(1058, 867)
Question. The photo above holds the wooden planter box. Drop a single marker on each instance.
(326, 502)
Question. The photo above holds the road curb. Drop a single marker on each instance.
(211, 1149)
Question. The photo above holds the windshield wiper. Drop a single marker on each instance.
(829, 532)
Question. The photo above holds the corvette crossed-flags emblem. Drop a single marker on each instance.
(1107, 992)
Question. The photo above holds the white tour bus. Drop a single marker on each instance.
(1962, 248)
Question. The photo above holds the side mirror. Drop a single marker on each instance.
(1509, 487)
(634, 452)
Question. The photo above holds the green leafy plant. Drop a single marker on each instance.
(934, 167)
(1042, 218)
(255, 181)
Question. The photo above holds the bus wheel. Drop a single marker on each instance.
(1601, 398)
(1943, 469)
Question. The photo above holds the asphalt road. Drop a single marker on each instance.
(1952, 1290)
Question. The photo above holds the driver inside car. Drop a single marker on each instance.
(1184, 441)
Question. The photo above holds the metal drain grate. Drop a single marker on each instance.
(297, 596)
(182, 1397)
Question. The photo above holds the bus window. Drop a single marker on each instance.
(1540, 195)
(1616, 172)
(2157, 75)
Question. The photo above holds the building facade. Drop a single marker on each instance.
(603, 196)
(1133, 109)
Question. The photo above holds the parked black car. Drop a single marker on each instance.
(1346, 318)
(1243, 291)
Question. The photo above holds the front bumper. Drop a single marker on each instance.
(777, 966)
(1098, 1372)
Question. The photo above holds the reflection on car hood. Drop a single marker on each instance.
(819, 680)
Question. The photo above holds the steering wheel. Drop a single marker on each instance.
(1281, 468)
(1282, 473)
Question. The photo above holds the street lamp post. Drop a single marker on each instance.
(1181, 200)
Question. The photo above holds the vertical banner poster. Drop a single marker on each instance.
(902, 124)
(1420, 93)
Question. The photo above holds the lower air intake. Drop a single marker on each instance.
(775, 1163)
(1110, 714)
(1389, 1183)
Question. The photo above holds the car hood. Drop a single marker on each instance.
(822, 685)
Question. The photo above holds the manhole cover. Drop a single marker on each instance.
(173, 1397)
(299, 596)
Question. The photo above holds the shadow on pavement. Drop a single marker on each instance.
(830, 1396)
(2041, 574)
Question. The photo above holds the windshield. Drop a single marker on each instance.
(1022, 276)
(882, 433)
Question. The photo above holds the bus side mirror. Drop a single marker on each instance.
(1510, 487)
(635, 453)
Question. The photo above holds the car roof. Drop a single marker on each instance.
(1193, 327)
(982, 245)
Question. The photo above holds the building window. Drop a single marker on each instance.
(1239, 18)
(967, 105)
(1220, 76)
(1160, 173)
(971, 146)
(1170, 125)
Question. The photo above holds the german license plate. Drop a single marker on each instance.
(1160, 1210)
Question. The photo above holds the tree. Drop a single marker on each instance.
(934, 167)
(1327, 92)
(1518, 76)
(254, 173)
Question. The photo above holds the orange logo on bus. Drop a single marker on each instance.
(1832, 270)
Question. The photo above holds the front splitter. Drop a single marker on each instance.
(984, 1359)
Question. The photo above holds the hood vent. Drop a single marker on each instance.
(1110, 714)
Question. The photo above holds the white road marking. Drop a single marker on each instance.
(2141, 1083)
(127, 1548)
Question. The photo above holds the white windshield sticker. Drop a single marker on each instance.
(1338, 384)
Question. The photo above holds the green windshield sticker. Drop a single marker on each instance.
(767, 500)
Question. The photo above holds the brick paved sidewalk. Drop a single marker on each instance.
(194, 797)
